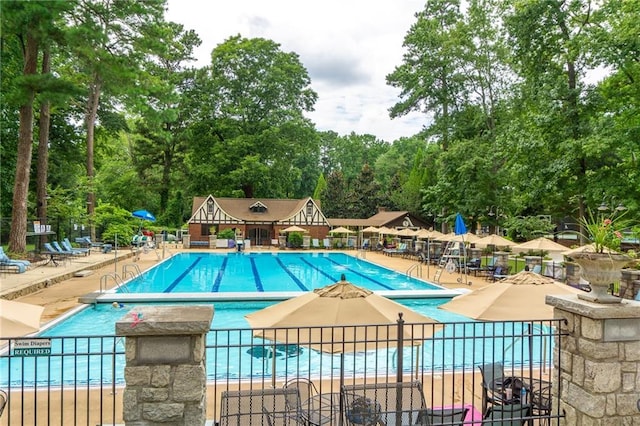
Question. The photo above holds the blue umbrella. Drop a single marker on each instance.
(460, 228)
(144, 214)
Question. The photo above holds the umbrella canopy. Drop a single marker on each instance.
(370, 230)
(348, 308)
(341, 230)
(520, 297)
(144, 215)
(467, 238)
(387, 231)
(294, 228)
(19, 319)
(406, 232)
(589, 248)
(430, 234)
(540, 244)
(460, 227)
(494, 240)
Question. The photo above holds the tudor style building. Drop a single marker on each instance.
(258, 219)
(261, 220)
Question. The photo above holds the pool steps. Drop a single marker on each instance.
(110, 297)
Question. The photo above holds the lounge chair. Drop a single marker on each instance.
(315, 243)
(66, 245)
(58, 247)
(384, 403)
(365, 244)
(499, 273)
(257, 407)
(6, 263)
(326, 243)
(54, 254)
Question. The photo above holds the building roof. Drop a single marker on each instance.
(276, 209)
(385, 217)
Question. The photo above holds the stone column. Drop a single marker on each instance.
(501, 258)
(165, 371)
(599, 362)
(630, 283)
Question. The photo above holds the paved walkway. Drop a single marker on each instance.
(57, 288)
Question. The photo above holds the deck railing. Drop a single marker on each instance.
(80, 380)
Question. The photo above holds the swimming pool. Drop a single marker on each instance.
(234, 354)
(267, 272)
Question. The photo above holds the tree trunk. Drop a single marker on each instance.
(43, 150)
(90, 121)
(18, 233)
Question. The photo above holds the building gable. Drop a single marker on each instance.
(210, 211)
(308, 214)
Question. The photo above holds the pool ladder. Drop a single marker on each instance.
(129, 270)
(417, 268)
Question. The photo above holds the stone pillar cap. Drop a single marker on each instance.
(165, 320)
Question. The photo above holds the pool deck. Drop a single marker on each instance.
(59, 290)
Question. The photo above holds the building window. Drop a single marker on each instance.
(210, 207)
(309, 208)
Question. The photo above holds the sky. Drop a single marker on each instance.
(348, 47)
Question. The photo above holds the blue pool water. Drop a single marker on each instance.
(239, 355)
(267, 272)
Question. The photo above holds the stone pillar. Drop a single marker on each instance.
(599, 362)
(186, 241)
(630, 283)
(212, 241)
(165, 371)
(501, 258)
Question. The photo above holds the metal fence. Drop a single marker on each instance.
(80, 380)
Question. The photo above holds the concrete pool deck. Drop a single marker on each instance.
(58, 289)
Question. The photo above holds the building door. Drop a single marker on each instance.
(260, 237)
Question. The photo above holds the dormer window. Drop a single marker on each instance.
(210, 206)
(258, 208)
(309, 208)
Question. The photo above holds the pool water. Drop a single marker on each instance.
(266, 272)
(233, 352)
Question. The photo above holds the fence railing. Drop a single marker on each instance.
(80, 380)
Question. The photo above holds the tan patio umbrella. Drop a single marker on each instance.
(387, 231)
(350, 310)
(430, 234)
(494, 240)
(370, 230)
(406, 232)
(342, 318)
(520, 297)
(540, 244)
(341, 230)
(19, 319)
(294, 228)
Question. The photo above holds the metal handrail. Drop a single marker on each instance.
(116, 279)
(417, 267)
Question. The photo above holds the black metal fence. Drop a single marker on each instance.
(80, 380)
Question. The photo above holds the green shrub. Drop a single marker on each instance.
(295, 239)
(227, 234)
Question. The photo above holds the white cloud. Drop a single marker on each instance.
(348, 47)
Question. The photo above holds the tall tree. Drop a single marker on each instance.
(363, 198)
(253, 130)
(107, 42)
(31, 25)
(431, 76)
(162, 120)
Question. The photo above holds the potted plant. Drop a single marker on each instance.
(601, 262)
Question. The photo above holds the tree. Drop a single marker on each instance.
(107, 43)
(161, 118)
(431, 76)
(321, 185)
(32, 25)
(363, 198)
(253, 134)
(334, 197)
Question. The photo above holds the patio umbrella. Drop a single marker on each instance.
(341, 230)
(493, 240)
(370, 230)
(144, 215)
(520, 297)
(349, 308)
(406, 232)
(540, 244)
(387, 231)
(294, 228)
(19, 319)
(341, 317)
